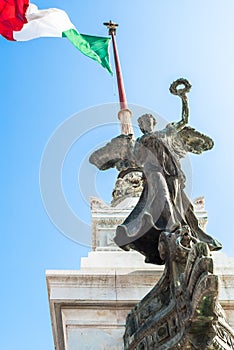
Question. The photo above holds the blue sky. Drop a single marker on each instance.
(46, 81)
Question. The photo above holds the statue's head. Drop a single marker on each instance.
(147, 123)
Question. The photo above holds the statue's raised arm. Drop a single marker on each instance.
(193, 141)
(182, 94)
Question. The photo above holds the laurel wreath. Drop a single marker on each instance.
(181, 81)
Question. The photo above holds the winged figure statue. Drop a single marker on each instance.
(163, 205)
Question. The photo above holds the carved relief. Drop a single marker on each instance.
(199, 203)
(105, 239)
(130, 185)
(98, 204)
(182, 310)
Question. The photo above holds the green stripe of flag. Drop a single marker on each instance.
(94, 47)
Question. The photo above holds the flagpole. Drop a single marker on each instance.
(124, 115)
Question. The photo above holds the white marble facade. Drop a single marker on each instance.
(89, 306)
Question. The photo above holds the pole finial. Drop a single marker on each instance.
(111, 26)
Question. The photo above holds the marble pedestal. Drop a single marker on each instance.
(89, 306)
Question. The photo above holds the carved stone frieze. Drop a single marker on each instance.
(109, 222)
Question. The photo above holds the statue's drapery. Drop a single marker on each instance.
(163, 205)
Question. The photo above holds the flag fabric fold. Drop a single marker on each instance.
(53, 23)
(85, 43)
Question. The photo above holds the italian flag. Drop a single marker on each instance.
(22, 21)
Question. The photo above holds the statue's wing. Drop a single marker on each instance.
(194, 141)
(114, 153)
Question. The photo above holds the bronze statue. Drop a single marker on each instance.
(163, 205)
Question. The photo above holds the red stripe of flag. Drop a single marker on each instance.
(12, 16)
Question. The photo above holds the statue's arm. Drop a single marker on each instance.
(185, 114)
(181, 92)
(116, 153)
